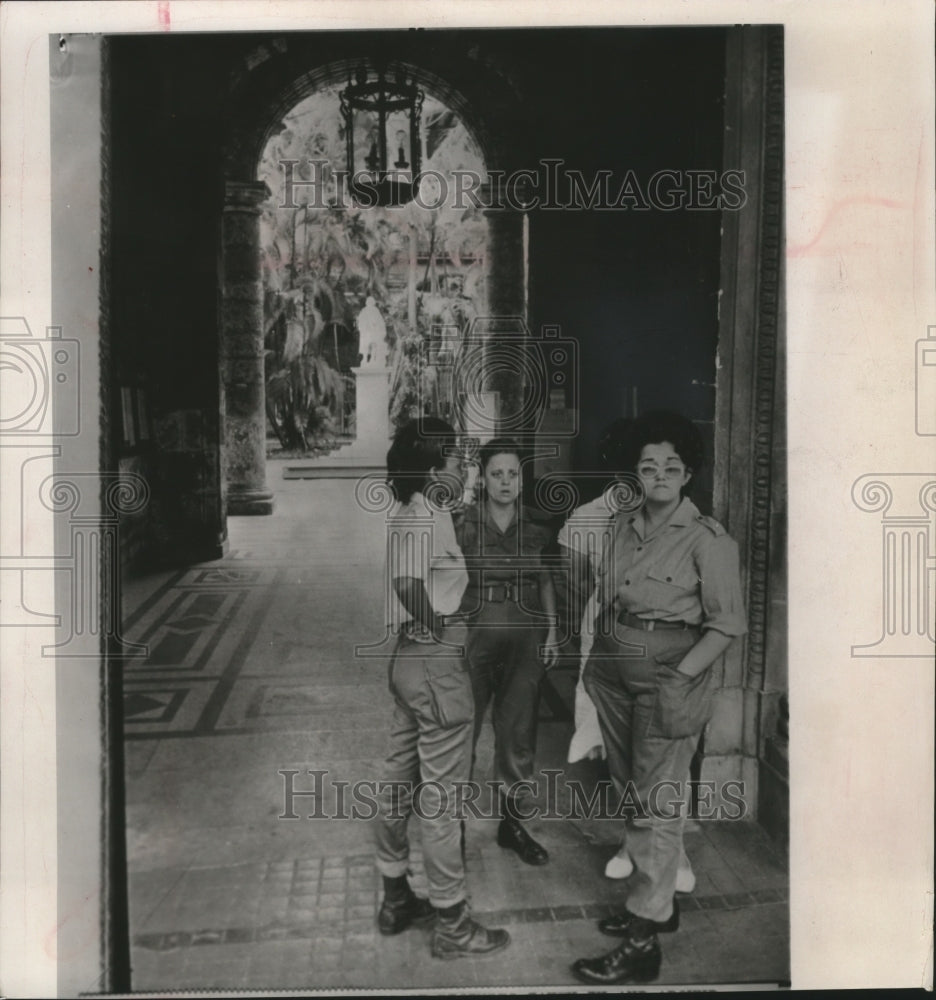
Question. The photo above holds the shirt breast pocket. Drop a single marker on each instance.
(668, 583)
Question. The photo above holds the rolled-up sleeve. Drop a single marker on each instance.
(722, 602)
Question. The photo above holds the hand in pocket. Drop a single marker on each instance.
(683, 703)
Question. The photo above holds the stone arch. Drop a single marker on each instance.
(248, 139)
(273, 77)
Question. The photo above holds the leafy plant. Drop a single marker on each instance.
(423, 267)
(303, 391)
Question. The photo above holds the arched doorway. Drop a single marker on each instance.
(257, 117)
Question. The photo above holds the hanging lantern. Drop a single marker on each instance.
(382, 128)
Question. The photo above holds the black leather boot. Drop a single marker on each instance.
(511, 834)
(401, 907)
(620, 924)
(457, 935)
(637, 960)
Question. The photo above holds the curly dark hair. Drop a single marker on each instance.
(658, 426)
(497, 446)
(418, 447)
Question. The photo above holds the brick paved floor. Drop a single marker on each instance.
(253, 672)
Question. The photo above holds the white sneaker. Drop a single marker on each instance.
(620, 866)
(685, 880)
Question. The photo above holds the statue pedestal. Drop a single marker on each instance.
(369, 449)
(372, 418)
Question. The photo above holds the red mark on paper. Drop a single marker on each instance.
(82, 937)
(164, 16)
(805, 249)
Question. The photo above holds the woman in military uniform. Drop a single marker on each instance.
(433, 713)
(670, 597)
(511, 640)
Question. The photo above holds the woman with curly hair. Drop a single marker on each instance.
(670, 598)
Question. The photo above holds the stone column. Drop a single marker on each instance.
(750, 488)
(242, 351)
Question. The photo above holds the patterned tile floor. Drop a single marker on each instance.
(272, 661)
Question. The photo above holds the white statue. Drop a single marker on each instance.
(373, 333)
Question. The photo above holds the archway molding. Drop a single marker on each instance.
(276, 76)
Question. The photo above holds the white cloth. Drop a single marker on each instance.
(421, 544)
(587, 531)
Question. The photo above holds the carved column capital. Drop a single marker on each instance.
(245, 196)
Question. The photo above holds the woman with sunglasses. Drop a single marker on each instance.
(670, 597)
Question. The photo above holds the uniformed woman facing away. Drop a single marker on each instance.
(670, 597)
(431, 731)
(511, 603)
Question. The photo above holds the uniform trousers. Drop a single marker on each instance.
(651, 716)
(430, 754)
(504, 660)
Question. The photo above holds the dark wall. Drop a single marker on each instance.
(165, 215)
(636, 289)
